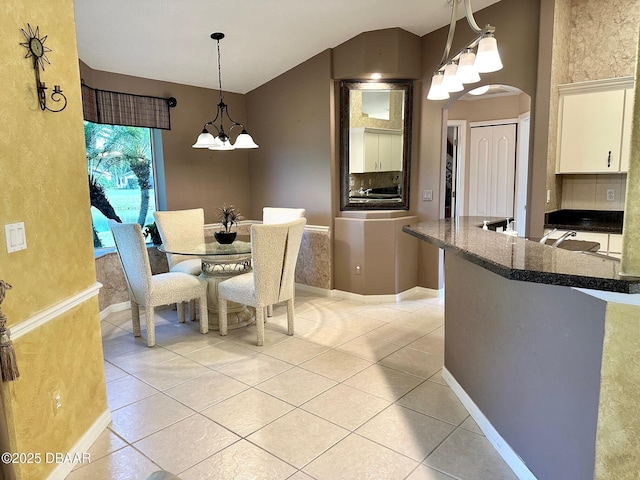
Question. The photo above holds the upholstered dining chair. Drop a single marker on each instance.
(179, 228)
(182, 228)
(280, 215)
(150, 290)
(274, 253)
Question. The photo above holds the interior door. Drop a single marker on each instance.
(492, 165)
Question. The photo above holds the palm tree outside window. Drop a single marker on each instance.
(121, 180)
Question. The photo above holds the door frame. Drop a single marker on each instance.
(523, 148)
(460, 161)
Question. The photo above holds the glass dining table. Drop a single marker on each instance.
(220, 262)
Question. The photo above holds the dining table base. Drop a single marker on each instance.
(238, 315)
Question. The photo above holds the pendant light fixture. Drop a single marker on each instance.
(465, 66)
(221, 140)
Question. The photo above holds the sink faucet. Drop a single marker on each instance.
(563, 238)
(544, 239)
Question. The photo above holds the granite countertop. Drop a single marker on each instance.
(521, 259)
(603, 221)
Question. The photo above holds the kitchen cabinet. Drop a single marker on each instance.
(374, 150)
(594, 126)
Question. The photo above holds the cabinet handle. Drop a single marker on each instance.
(609, 159)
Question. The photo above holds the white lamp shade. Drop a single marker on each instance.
(205, 140)
(480, 90)
(467, 72)
(222, 144)
(244, 140)
(488, 58)
(436, 91)
(450, 82)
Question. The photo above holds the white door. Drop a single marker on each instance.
(492, 166)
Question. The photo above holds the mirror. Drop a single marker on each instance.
(375, 145)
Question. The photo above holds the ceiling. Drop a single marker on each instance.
(169, 40)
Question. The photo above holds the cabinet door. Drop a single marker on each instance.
(396, 153)
(371, 157)
(626, 129)
(590, 132)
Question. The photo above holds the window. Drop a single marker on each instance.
(121, 177)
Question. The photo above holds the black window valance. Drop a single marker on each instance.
(116, 108)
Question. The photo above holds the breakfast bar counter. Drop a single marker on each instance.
(541, 346)
(521, 259)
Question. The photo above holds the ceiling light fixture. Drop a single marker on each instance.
(222, 141)
(464, 67)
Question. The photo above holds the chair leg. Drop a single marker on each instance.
(222, 315)
(290, 316)
(204, 313)
(192, 310)
(260, 325)
(180, 311)
(135, 318)
(151, 326)
(269, 310)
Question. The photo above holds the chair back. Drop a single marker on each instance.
(134, 258)
(281, 215)
(178, 229)
(274, 251)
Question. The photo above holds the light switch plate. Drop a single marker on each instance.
(427, 195)
(15, 236)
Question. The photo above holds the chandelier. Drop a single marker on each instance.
(221, 140)
(465, 66)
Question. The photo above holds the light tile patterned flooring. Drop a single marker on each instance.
(357, 393)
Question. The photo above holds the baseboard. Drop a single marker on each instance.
(502, 447)
(389, 298)
(116, 307)
(80, 449)
(321, 292)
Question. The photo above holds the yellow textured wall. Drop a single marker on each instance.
(618, 434)
(43, 183)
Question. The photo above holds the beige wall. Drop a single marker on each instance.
(517, 24)
(44, 184)
(291, 118)
(194, 177)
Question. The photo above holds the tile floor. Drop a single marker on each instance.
(356, 394)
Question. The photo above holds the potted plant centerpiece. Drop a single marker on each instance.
(152, 231)
(228, 216)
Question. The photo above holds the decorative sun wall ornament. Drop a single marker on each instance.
(38, 51)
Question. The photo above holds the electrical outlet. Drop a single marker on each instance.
(548, 196)
(358, 270)
(611, 195)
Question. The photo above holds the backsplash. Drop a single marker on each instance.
(374, 180)
(589, 192)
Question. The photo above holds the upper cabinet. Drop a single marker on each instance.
(594, 126)
(375, 150)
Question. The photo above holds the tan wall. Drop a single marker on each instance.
(194, 177)
(387, 256)
(44, 184)
(517, 24)
(292, 121)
